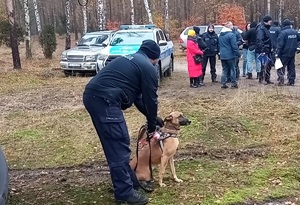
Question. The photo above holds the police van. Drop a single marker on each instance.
(128, 39)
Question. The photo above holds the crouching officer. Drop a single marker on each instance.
(287, 44)
(125, 81)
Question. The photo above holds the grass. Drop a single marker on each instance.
(241, 146)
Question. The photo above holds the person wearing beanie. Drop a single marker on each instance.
(250, 38)
(264, 48)
(125, 81)
(202, 45)
(286, 48)
(212, 41)
(245, 49)
(194, 66)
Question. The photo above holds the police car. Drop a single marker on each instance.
(128, 40)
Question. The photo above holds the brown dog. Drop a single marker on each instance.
(161, 152)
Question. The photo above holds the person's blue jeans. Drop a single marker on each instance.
(252, 56)
(111, 128)
(245, 51)
(228, 69)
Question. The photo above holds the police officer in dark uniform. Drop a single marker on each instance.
(212, 41)
(123, 82)
(286, 50)
(274, 33)
(264, 47)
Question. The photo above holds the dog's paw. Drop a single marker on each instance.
(178, 180)
(162, 185)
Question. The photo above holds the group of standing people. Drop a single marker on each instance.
(261, 43)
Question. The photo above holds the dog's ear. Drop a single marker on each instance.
(169, 118)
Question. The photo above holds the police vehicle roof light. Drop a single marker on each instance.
(147, 26)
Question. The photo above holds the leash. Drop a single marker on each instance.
(83, 4)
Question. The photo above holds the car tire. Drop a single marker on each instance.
(67, 73)
(3, 179)
(159, 75)
(170, 69)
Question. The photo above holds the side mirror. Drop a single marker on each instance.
(162, 43)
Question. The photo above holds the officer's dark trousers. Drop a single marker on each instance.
(212, 63)
(112, 130)
(266, 70)
(288, 62)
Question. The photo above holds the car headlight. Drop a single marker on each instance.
(63, 57)
(102, 57)
(90, 58)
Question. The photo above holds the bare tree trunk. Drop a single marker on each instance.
(101, 14)
(280, 10)
(13, 35)
(132, 12)
(269, 7)
(68, 34)
(75, 21)
(27, 30)
(148, 10)
(37, 17)
(84, 11)
(167, 15)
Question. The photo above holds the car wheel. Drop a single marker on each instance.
(3, 179)
(67, 73)
(170, 69)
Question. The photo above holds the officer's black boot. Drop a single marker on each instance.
(201, 81)
(137, 199)
(249, 76)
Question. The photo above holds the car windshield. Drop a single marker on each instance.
(131, 38)
(218, 29)
(202, 29)
(88, 40)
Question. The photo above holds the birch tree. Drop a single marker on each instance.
(13, 34)
(84, 12)
(27, 30)
(68, 27)
(148, 10)
(280, 10)
(37, 17)
(167, 15)
(269, 6)
(101, 14)
(132, 11)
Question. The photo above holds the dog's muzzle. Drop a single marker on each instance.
(184, 121)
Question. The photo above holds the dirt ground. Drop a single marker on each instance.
(46, 95)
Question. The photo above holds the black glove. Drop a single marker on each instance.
(159, 122)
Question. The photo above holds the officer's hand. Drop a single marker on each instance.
(159, 122)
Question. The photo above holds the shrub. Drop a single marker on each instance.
(48, 41)
(5, 33)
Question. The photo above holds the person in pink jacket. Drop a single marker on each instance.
(194, 69)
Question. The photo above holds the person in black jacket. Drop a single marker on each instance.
(202, 45)
(212, 41)
(124, 81)
(287, 43)
(250, 37)
(264, 48)
(245, 49)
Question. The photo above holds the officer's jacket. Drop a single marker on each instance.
(274, 33)
(212, 41)
(287, 42)
(263, 39)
